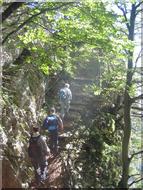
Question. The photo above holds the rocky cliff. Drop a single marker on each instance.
(22, 99)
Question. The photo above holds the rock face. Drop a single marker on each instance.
(23, 97)
(9, 179)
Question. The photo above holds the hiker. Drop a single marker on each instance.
(65, 97)
(52, 123)
(38, 152)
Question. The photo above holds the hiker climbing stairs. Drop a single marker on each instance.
(84, 76)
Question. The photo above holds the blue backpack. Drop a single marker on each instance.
(63, 95)
(51, 123)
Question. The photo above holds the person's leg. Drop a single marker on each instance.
(62, 109)
(36, 170)
(51, 142)
(44, 170)
(55, 142)
(67, 107)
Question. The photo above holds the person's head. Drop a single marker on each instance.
(52, 110)
(35, 129)
(67, 85)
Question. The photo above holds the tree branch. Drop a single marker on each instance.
(136, 61)
(33, 16)
(137, 115)
(42, 26)
(125, 16)
(137, 12)
(137, 108)
(136, 153)
(138, 4)
(134, 175)
(139, 86)
(136, 181)
(136, 98)
(139, 55)
(14, 6)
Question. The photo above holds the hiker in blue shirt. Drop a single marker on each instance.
(52, 123)
(38, 152)
(65, 97)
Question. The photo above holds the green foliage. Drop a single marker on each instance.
(1, 2)
(93, 154)
(56, 36)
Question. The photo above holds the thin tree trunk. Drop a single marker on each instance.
(126, 141)
(127, 106)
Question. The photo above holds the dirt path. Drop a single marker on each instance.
(55, 179)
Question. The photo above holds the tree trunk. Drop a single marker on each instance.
(127, 106)
(126, 140)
